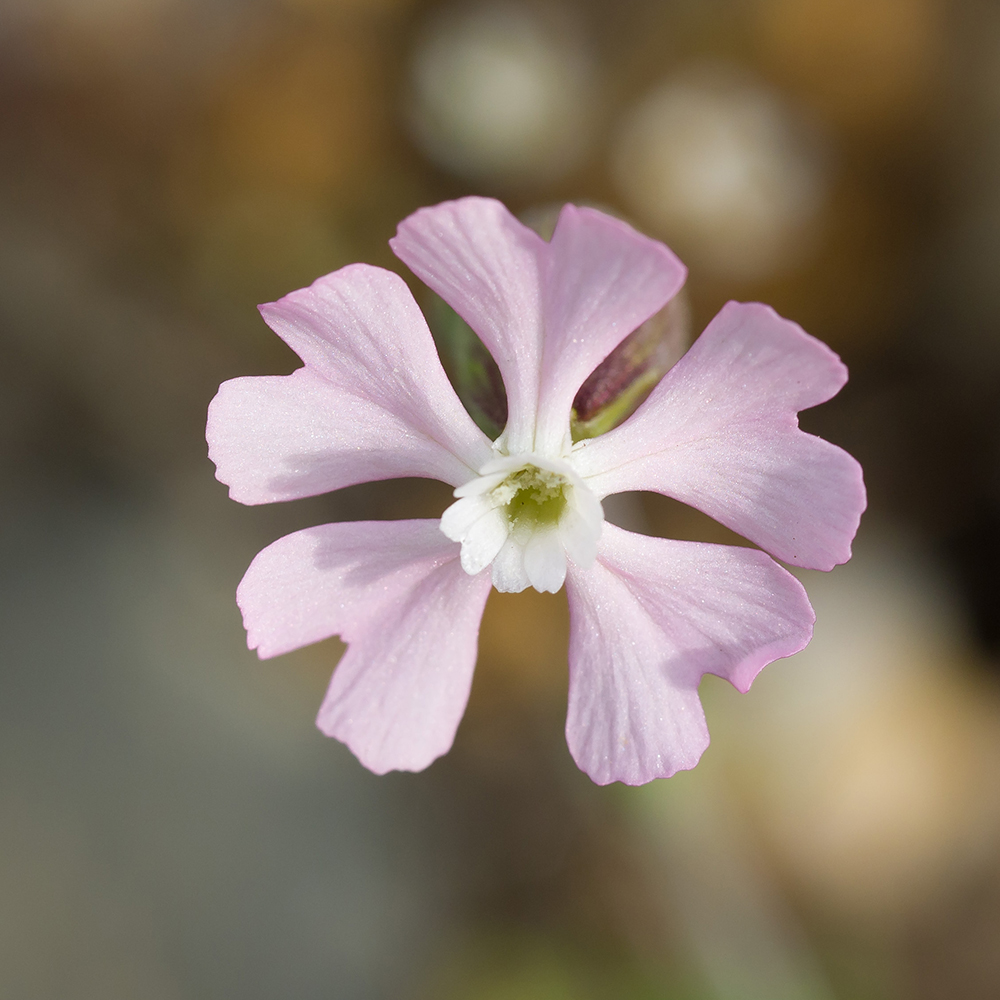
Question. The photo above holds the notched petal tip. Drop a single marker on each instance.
(611, 772)
(646, 624)
(819, 374)
(382, 758)
(410, 616)
(720, 433)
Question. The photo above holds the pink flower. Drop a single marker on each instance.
(649, 616)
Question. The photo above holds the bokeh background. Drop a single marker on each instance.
(172, 827)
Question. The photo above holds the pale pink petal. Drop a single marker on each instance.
(395, 593)
(601, 280)
(720, 432)
(485, 265)
(373, 401)
(280, 437)
(549, 313)
(647, 621)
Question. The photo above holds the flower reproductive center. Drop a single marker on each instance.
(526, 514)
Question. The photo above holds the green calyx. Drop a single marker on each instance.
(621, 406)
(624, 379)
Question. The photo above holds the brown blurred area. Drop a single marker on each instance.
(172, 826)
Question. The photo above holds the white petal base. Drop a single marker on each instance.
(528, 515)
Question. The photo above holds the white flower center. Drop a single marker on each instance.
(526, 515)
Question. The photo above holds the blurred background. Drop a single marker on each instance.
(172, 827)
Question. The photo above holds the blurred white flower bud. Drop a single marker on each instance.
(722, 169)
(499, 94)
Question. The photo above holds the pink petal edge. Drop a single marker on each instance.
(397, 595)
(646, 623)
(720, 433)
(372, 402)
(549, 313)
(601, 281)
(485, 265)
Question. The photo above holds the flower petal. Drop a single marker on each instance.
(485, 265)
(601, 280)
(580, 536)
(720, 433)
(549, 313)
(479, 526)
(395, 592)
(545, 561)
(372, 402)
(646, 622)
(509, 574)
